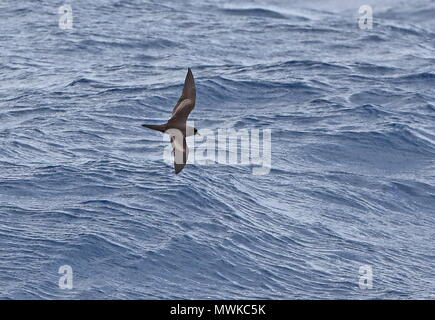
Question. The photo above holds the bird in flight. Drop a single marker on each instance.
(176, 126)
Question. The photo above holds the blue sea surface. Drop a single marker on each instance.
(352, 180)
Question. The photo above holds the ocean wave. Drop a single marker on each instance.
(254, 12)
(351, 116)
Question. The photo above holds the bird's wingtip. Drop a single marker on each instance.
(178, 168)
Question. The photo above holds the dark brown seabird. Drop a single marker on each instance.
(176, 126)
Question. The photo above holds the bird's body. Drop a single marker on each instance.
(176, 126)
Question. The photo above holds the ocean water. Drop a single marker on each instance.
(352, 179)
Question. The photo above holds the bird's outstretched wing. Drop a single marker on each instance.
(181, 112)
(181, 152)
(186, 103)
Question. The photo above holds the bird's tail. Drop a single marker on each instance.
(158, 127)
